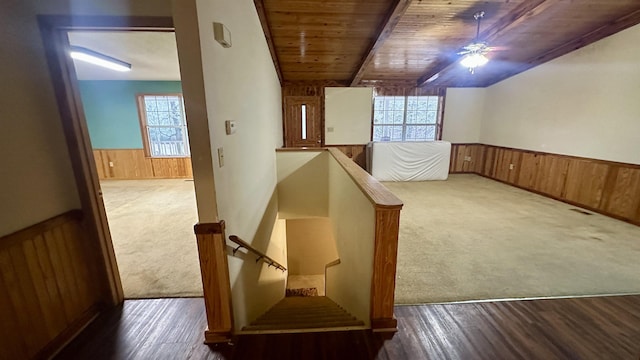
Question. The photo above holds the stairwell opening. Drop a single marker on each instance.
(310, 247)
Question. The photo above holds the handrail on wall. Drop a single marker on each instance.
(261, 256)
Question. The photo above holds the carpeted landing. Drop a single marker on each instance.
(472, 238)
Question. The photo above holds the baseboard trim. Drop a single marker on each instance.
(301, 331)
(522, 299)
(213, 337)
(384, 325)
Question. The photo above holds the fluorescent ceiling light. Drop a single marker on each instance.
(96, 58)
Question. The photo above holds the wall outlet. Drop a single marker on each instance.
(511, 166)
(467, 158)
(220, 157)
(110, 163)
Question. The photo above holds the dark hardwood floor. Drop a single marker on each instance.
(585, 328)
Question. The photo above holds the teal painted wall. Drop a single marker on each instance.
(112, 113)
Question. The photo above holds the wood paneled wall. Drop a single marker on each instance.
(606, 187)
(133, 164)
(48, 287)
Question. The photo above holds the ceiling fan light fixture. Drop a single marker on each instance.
(474, 52)
(474, 60)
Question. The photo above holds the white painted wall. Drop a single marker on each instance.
(586, 103)
(36, 178)
(241, 84)
(463, 111)
(310, 245)
(353, 219)
(347, 115)
(302, 184)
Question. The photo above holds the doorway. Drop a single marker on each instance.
(302, 119)
(54, 31)
(137, 128)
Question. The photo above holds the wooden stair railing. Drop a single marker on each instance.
(216, 286)
(261, 256)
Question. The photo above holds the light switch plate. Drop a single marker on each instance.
(220, 157)
(230, 127)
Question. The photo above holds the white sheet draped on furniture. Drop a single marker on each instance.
(409, 161)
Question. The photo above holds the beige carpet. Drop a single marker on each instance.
(151, 223)
(471, 238)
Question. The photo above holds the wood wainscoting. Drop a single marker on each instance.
(47, 285)
(607, 187)
(133, 164)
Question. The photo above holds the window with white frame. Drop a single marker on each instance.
(164, 125)
(406, 118)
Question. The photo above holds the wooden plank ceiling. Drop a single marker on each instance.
(407, 42)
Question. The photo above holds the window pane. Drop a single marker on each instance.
(174, 103)
(422, 102)
(396, 133)
(398, 117)
(412, 103)
(378, 117)
(431, 133)
(382, 133)
(303, 119)
(399, 103)
(421, 118)
(388, 117)
(164, 119)
(433, 103)
(378, 103)
(152, 118)
(150, 103)
(388, 102)
(377, 133)
(163, 103)
(431, 117)
(167, 141)
(412, 117)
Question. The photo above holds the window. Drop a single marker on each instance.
(164, 125)
(406, 118)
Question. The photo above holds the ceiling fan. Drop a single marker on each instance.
(474, 53)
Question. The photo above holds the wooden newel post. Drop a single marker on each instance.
(385, 257)
(215, 281)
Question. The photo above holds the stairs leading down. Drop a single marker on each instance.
(304, 314)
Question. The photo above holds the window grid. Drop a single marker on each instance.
(164, 122)
(405, 118)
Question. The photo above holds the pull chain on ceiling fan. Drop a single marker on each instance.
(474, 53)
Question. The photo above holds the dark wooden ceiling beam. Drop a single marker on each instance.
(525, 11)
(600, 33)
(386, 28)
(264, 21)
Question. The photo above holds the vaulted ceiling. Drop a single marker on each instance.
(416, 42)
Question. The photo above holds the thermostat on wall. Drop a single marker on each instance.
(230, 126)
(222, 34)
